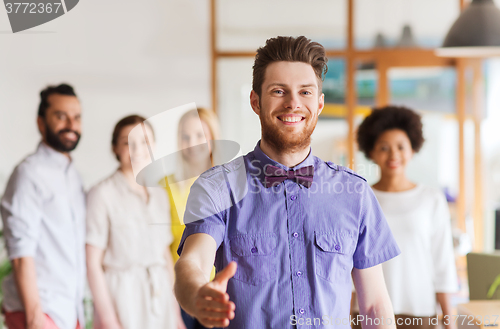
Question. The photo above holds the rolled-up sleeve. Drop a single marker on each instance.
(375, 241)
(21, 210)
(97, 219)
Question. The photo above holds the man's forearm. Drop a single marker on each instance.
(374, 301)
(25, 276)
(382, 312)
(189, 278)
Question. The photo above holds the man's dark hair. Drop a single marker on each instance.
(62, 89)
(289, 49)
(388, 118)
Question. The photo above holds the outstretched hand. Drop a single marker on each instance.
(212, 305)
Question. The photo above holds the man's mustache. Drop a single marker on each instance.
(305, 115)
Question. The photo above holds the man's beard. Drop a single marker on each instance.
(283, 142)
(54, 140)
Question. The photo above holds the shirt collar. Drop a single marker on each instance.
(122, 180)
(265, 160)
(58, 158)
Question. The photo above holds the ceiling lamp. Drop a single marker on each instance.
(475, 33)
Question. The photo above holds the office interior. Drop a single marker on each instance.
(126, 57)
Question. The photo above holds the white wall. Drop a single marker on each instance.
(121, 56)
(246, 24)
(430, 20)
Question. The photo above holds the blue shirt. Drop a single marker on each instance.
(295, 246)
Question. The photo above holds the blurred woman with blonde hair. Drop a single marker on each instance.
(196, 128)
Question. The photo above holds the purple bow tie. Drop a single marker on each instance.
(275, 176)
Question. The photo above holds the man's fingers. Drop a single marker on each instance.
(214, 315)
(213, 304)
(226, 274)
(209, 291)
(231, 313)
(214, 309)
(209, 323)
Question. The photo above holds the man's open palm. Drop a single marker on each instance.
(212, 304)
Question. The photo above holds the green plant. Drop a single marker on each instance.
(5, 269)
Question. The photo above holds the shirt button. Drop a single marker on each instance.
(337, 247)
(299, 273)
(254, 250)
(295, 234)
(301, 311)
(293, 197)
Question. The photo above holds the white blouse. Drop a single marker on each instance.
(135, 237)
(420, 222)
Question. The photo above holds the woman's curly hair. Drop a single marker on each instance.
(387, 118)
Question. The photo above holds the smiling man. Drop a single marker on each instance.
(286, 250)
(43, 213)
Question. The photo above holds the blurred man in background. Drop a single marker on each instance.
(43, 213)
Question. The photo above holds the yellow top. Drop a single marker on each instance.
(177, 195)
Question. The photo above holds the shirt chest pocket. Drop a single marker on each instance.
(58, 208)
(333, 253)
(255, 256)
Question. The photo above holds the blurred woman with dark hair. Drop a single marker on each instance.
(129, 266)
(418, 216)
